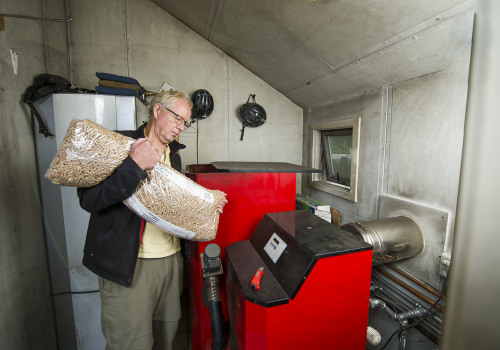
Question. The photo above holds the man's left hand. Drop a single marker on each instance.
(221, 205)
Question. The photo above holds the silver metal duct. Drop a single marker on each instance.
(392, 238)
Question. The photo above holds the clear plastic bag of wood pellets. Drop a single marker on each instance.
(88, 154)
(177, 204)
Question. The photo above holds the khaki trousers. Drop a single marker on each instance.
(146, 315)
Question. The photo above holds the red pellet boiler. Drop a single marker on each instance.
(314, 291)
(253, 189)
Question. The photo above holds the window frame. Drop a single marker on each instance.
(317, 180)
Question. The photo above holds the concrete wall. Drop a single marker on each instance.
(411, 145)
(411, 135)
(131, 38)
(472, 304)
(138, 39)
(26, 319)
(423, 115)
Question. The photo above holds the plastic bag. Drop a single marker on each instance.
(177, 204)
(89, 153)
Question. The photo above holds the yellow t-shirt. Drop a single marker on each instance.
(157, 243)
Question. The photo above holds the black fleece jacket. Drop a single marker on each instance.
(114, 232)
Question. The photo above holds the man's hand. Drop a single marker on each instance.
(221, 205)
(144, 154)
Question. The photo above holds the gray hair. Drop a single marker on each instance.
(168, 99)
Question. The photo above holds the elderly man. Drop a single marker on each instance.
(139, 265)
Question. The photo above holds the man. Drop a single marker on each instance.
(139, 266)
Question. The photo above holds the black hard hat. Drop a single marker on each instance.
(252, 114)
(203, 104)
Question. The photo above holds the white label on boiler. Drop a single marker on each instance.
(275, 247)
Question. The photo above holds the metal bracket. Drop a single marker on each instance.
(206, 273)
(445, 264)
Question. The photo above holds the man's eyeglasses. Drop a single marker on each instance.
(178, 119)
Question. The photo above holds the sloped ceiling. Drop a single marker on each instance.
(314, 51)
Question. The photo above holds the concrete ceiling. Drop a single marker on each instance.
(315, 51)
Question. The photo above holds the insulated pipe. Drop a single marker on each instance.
(380, 304)
(401, 317)
(417, 312)
(211, 269)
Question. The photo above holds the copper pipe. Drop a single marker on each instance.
(415, 280)
(409, 288)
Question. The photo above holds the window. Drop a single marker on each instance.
(334, 149)
(336, 155)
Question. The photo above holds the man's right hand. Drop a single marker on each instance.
(144, 154)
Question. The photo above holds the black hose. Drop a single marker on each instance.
(212, 300)
(211, 266)
(217, 322)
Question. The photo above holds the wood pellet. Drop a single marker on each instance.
(90, 153)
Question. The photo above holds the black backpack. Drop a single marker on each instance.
(44, 85)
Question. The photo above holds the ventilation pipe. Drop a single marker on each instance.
(392, 238)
